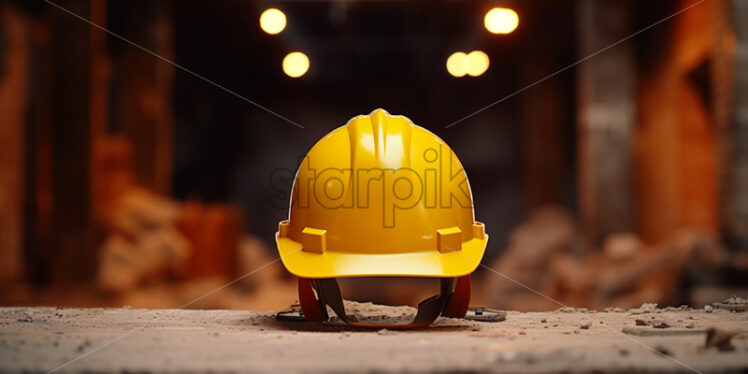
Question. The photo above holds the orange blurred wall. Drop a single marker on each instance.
(676, 159)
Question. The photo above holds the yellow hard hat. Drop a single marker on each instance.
(381, 196)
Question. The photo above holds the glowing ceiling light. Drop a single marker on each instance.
(501, 20)
(456, 64)
(272, 21)
(295, 64)
(476, 63)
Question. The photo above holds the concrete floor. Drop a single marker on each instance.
(43, 339)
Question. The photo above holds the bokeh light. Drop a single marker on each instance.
(501, 20)
(477, 63)
(474, 64)
(295, 64)
(456, 64)
(272, 21)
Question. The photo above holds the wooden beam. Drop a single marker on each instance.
(144, 89)
(736, 177)
(543, 138)
(605, 115)
(99, 106)
(73, 255)
(14, 78)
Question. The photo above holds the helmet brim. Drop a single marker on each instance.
(415, 264)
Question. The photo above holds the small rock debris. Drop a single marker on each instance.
(663, 351)
(681, 308)
(732, 304)
(83, 345)
(656, 323)
(614, 310)
(719, 339)
(568, 309)
(735, 300)
(644, 308)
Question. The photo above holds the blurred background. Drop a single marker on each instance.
(129, 180)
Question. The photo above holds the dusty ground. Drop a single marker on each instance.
(43, 339)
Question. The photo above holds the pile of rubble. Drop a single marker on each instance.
(547, 254)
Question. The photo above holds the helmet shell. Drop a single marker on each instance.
(381, 196)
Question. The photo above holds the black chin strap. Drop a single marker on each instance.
(428, 310)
